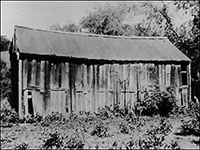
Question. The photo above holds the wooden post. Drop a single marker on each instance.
(20, 77)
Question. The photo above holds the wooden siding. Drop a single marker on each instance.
(68, 87)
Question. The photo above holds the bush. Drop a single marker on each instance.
(74, 142)
(54, 141)
(155, 136)
(5, 80)
(156, 102)
(33, 119)
(100, 130)
(21, 146)
(8, 115)
(54, 116)
(124, 128)
(192, 126)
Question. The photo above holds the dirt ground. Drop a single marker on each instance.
(35, 134)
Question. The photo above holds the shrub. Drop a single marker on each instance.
(100, 130)
(8, 115)
(54, 141)
(173, 146)
(21, 146)
(104, 113)
(191, 127)
(156, 102)
(167, 102)
(155, 136)
(5, 80)
(124, 128)
(74, 142)
(33, 119)
(54, 116)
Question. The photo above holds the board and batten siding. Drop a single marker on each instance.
(66, 87)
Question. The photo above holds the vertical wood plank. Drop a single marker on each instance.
(29, 73)
(20, 77)
(67, 90)
(37, 83)
(33, 73)
(26, 102)
(25, 74)
(168, 75)
(42, 80)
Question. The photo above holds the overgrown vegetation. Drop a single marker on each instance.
(156, 102)
(192, 126)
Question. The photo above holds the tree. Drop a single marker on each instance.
(71, 27)
(4, 44)
(107, 20)
(5, 81)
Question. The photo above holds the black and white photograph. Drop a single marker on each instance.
(100, 75)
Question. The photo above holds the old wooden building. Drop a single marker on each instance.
(71, 72)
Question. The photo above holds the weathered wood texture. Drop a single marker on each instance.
(67, 87)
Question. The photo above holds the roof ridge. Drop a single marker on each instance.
(95, 35)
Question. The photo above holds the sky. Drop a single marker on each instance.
(42, 15)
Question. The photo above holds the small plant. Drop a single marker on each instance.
(104, 113)
(155, 136)
(124, 128)
(54, 141)
(8, 115)
(173, 146)
(74, 142)
(190, 127)
(54, 116)
(130, 145)
(21, 146)
(100, 130)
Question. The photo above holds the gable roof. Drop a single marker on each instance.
(91, 46)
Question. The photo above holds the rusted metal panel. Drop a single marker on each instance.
(34, 41)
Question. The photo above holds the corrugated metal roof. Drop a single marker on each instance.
(44, 42)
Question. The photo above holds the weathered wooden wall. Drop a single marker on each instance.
(68, 87)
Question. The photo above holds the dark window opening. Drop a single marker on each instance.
(183, 67)
(30, 106)
(184, 78)
(184, 74)
(29, 92)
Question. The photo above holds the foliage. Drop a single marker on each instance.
(104, 113)
(5, 81)
(100, 130)
(107, 21)
(21, 146)
(191, 126)
(4, 44)
(54, 116)
(155, 137)
(33, 118)
(8, 115)
(173, 145)
(54, 141)
(156, 102)
(124, 128)
(71, 27)
(74, 142)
